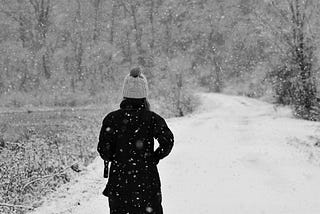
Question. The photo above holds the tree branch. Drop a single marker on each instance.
(48, 176)
(280, 13)
(125, 7)
(35, 5)
(10, 15)
(276, 30)
(16, 206)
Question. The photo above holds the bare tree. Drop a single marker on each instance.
(96, 5)
(126, 45)
(33, 19)
(152, 22)
(41, 10)
(112, 24)
(78, 46)
(295, 76)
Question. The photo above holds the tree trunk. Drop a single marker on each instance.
(151, 18)
(78, 44)
(126, 49)
(96, 29)
(216, 69)
(137, 30)
(112, 25)
(42, 9)
(217, 77)
(179, 84)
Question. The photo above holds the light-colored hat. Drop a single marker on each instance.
(135, 85)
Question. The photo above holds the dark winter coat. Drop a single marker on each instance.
(127, 141)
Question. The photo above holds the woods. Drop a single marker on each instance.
(295, 75)
(86, 47)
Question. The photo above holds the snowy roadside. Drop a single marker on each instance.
(234, 155)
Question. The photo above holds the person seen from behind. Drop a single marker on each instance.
(127, 141)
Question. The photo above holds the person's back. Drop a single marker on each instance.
(127, 141)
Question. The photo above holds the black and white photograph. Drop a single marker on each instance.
(159, 106)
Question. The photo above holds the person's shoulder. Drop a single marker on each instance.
(112, 115)
(155, 116)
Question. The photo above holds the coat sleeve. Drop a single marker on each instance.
(164, 137)
(106, 144)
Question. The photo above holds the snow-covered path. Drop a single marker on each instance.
(234, 155)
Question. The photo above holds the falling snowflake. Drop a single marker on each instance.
(139, 144)
(149, 209)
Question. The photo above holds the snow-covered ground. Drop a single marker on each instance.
(235, 155)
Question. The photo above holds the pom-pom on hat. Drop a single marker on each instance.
(135, 85)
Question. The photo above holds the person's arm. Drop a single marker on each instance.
(106, 144)
(164, 137)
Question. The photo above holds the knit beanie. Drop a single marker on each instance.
(135, 85)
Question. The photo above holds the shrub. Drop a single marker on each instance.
(38, 149)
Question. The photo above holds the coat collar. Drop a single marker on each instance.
(133, 104)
